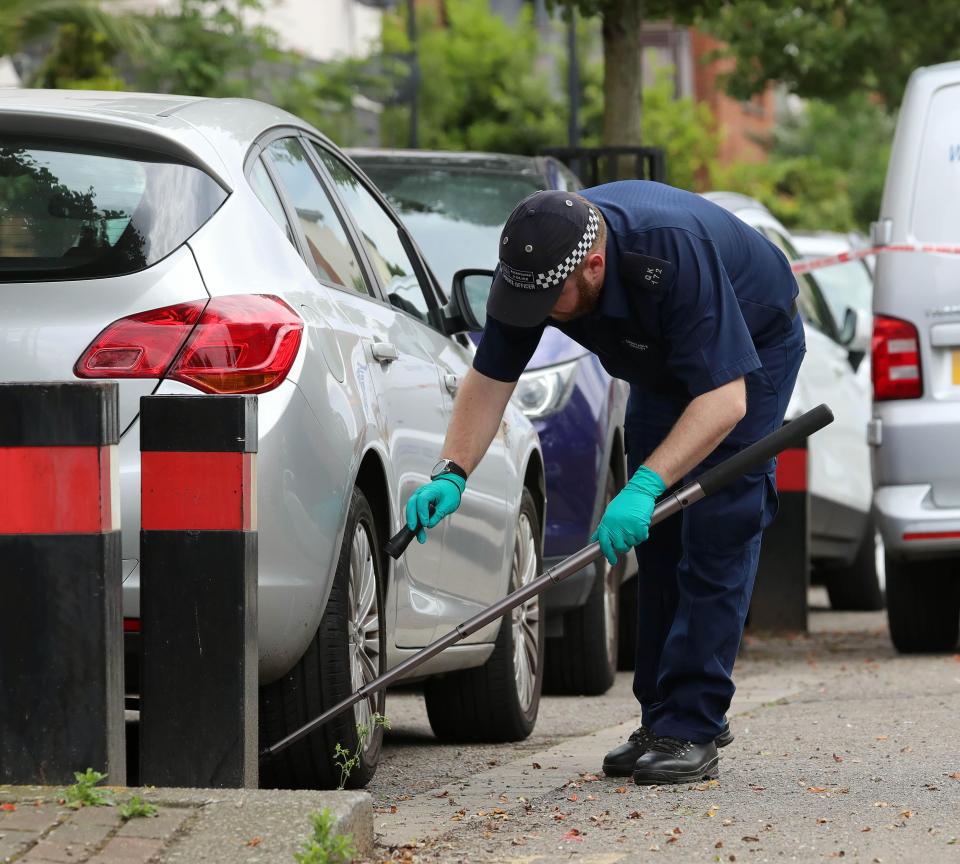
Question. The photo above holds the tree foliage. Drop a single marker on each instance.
(827, 49)
(207, 48)
(481, 87)
(80, 59)
(24, 20)
(826, 167)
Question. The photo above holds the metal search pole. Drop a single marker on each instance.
(708, 482)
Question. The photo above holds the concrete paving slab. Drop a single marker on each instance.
(260, 826)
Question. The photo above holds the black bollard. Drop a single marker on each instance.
(783, 574)
(198, 591)
(61, 637)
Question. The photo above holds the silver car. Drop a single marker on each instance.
(181, 245)
(842, 539)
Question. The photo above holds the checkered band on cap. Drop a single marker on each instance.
(557, 275)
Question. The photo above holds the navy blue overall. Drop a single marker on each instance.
(693, 298)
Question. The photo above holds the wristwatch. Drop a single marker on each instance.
(448, 466)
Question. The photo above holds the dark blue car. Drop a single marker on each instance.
(455, 205)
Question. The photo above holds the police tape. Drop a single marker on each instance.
(799, 267)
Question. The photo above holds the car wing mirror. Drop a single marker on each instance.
(857, 330)
(467, 310)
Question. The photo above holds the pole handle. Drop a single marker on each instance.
(752, 457)
(398, 543)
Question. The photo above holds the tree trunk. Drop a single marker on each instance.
(622, 73)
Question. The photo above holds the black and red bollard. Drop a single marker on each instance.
(783, 574)
(61, 640)
(198, 591)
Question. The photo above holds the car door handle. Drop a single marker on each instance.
(385, 352)
(452, 383)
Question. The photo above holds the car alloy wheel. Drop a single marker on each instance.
(526, 616)
(363, 625)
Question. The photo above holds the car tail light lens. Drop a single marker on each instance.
(235, 344)
(141, 346)
(895, 360)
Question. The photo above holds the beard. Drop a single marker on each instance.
(587, 298)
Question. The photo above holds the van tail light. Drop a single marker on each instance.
(895, 359)
(235, 344)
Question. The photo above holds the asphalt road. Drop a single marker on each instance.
(843, 750)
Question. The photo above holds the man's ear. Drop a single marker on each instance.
(594, 262)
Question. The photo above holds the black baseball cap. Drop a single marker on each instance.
(547, 235)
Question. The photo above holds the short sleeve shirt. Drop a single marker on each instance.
(690, 294)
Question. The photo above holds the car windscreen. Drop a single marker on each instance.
(78, 212)
(454, 214)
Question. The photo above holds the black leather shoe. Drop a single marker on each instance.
(619, 762)
(669, 760)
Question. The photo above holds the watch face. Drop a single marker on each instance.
(439, 468)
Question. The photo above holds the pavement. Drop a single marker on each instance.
(191, 825)
(843, 750)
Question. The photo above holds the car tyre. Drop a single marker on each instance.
(584, 660)
(499, 701)
(347, 651)
(857, 587)
(923, 605)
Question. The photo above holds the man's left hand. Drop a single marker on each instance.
(626, 521)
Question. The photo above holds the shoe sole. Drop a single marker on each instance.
(614, 771)
(661, 778)
(722, 740)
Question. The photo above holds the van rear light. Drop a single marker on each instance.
(895, 360)
(234, 344)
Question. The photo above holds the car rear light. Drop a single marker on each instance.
(235, 344)
(895, 360)
(141, 346)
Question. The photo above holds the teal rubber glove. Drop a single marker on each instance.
(443, 493)
(626, 521)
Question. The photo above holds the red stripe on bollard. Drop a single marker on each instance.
(792, 471)
(184, 491)
(55, 490)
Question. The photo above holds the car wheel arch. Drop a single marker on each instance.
(371, 479)
(534, 479)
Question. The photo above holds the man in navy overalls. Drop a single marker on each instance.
(697, 311)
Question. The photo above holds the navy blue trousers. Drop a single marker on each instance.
(696, 570)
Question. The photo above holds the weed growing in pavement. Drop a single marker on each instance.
(84, 794)
(136, 808)
(348, 761)
(325, 847)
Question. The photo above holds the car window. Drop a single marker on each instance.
(810, 299)
(455, 213)
(846, 286)
(71, 211)
(381, 238)
(327, 241)
(262, 185)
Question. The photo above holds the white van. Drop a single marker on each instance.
(915, 430)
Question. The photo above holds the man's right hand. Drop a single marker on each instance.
(432, 501)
